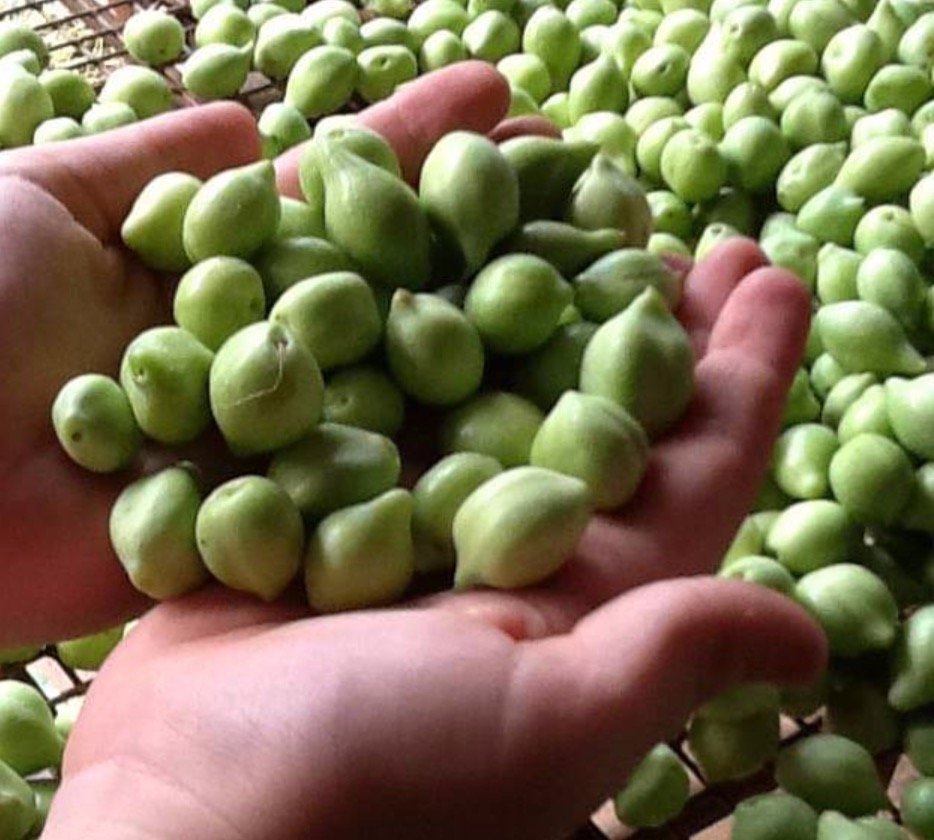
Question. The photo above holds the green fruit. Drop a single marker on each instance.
(334, 315)
(24, 105)
(144, 90)
(912, 664)
(437, 16)
(801, 460)
(164, 373)
(613, 282)
(28, 740)
(519, 528)
(606, 197)
(801, 406)
(569, 249)
(597, 86)
(71, 94)
(814, 117)
(889, 122)
(858, 710)
(712, 74)
(755, 151)
(642, 360)
(152, 529)
(919, 742)
(763, 571)
(361, 555)
(300, 219)
(322, 80)
(266, 389)
(471, 194)
(656, 792)
(808, 172)
(281, 42)
(233, 214)
(872, 478)
(58, 129)
(910, 406)
(250, 536)
(774, 816)
(88, 653)
(922, 207)
(16, 35)
(498, 424)
(843, 395)
(284, 126)
(106, 116)
(285, 263)
(335, 466)
(830, 772)
(491, 35)
(44, 792)
(811, 535)
(736, 748)
(515, 303)
(889, 226)
(897, 86)
(525, 71)
(374, 217)
(850, 60)
(917, 807)
(867, 414)
(154, 37)
(831, 215)
(816, 21)
(94, 423)
(383, 69)
(153, 229)
(852, 605)
(882, 168)
(549, 35)
(693, 166)
(17, 805)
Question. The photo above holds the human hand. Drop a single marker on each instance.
(72, 297)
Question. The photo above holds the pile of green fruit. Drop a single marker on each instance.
(308, 332)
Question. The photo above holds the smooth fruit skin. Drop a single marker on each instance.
(519, 528)
(808, 536)
(656, 791)
(322, 80)
(89, 652)
(912, 662)
(497, 423)
(154, 37)
(28, 740)
(144, 90)
(917, 808)
(365, 397)
(17, 805)
(774, 816)
(872, 478)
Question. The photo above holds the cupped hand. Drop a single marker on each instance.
(72, 297)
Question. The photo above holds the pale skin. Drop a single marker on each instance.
(478, 715)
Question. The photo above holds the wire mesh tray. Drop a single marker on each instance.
(84, 35)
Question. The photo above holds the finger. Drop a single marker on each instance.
(98, 178)
(700, 480)
(524, 126)
(589, 704)
(710, 284)
(468, 96)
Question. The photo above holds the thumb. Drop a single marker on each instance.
(630, 673)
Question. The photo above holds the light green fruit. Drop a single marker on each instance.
(555, 40)
(94, 423)
(747, 100)
(606, 197)
(16, 35)
(843, 395)
(319, 12)
(656, 791)
(816, 22)
(265, 11)
(712, 235)
(864, 336)
(741, 701)
(922, 207)
(515, 303)
(266, 389)
(912, 683)
(917, 808)
(652, 143)
(362, 555)
(867, 413)
(366, 398)
(836, 274)
(811, 535)
(437, 16)
(491, 35)
(547, 170)
(13, 656)
(744, 31)
(826, 372)
(693, 166)
(152, 530)
(569, 249)
(525, 71)
(250, 536)
(300, 219)
(281, 42)
(889, 278)
(644, 113)
(755, 152)
(625, 42)
(383, 69)
(830, 772)
(384, 31)
(801, 460)
(17, 805)
(831, 215)
(910, 406)
(164, 373)
(374, 217)
(433, 350)
(471, 194)
(106, 116)
(889, 122)
(89, 652)
(669, 213)
(774, 816)
(814, 117)
(340, 32)
(735, 748)
(44, 791)
(597, 86)
(916, 47)
(216, 71)
(71, 94)
(58, 129)
(873, 478)
(437, 496)
(760, 570)
(322, 80)
(218, 297)
(144, 90)
(919, 514)
(666, 244)
(897, 86)
(519, 528)
(334, 466)
(233, 214)
(801, 406)
(889, 226)
(24, 105)
(597, 441)
(28, 740)
(642, 359)
(851, 58)
(153, 229)
(919, 742)
(712, 74)
(154, 37)
(588, 13)
(781, 59)
(857, 709)
(334, 315)
(685, 28)
(613, 282)
(749, 540)
(225, 24)
(882, 168)
(793, 87)
(852, 605)
(521, 104)
(199, 8)
(498, 424)
(834, 826)
(284, 263)
(808, 172)
(284, 126)
(439, 50)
